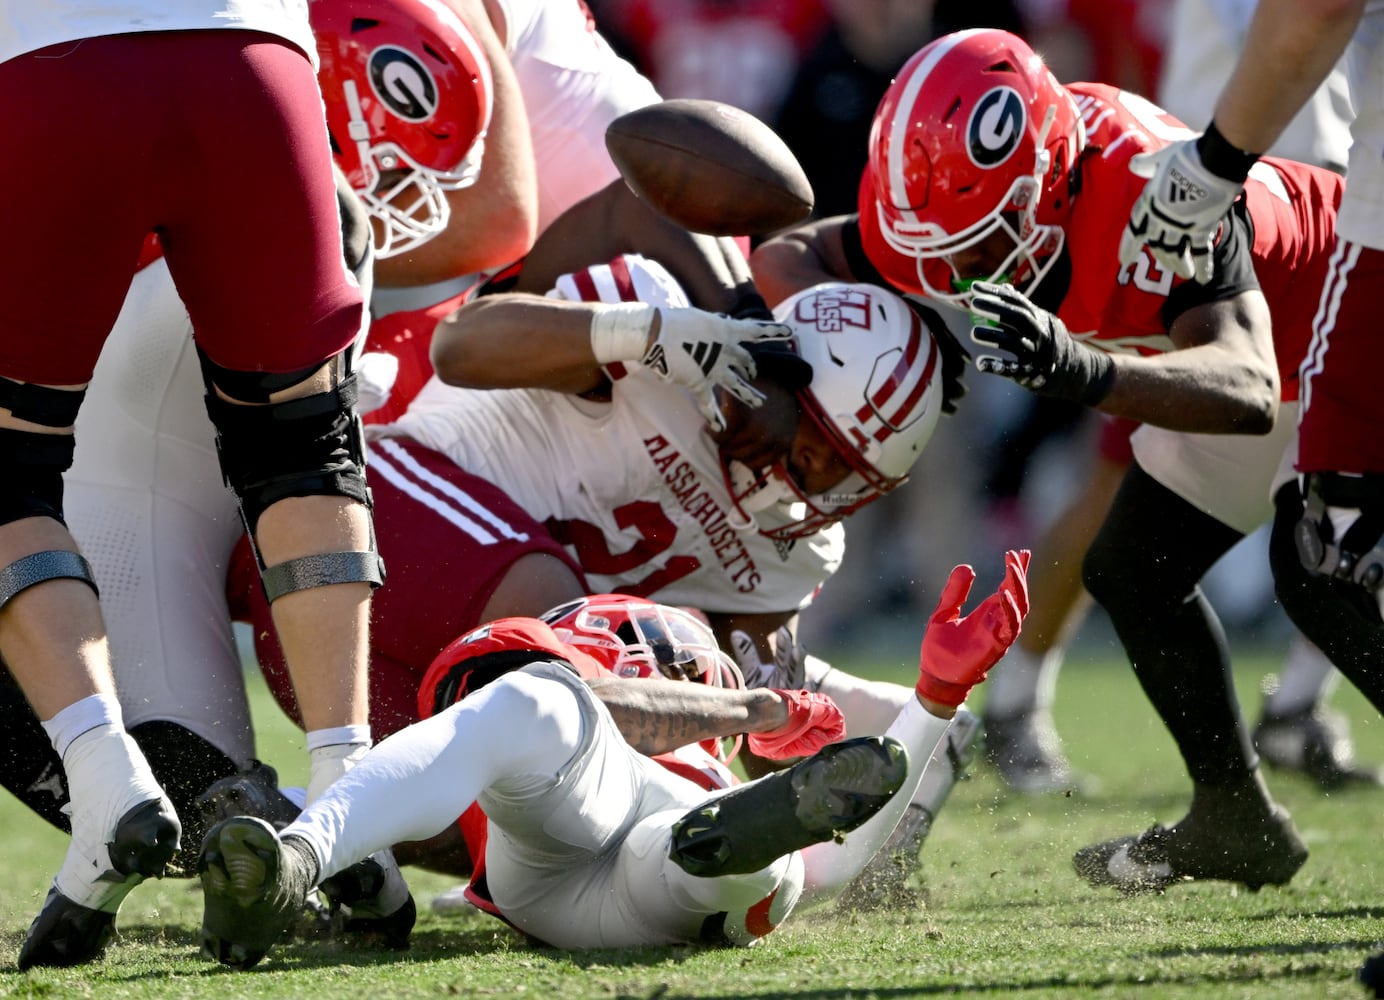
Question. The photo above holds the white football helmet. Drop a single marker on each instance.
(876, 394)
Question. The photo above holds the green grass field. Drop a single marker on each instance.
(1005, 915)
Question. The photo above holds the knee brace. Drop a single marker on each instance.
(308, 446)
(34, 464)
(1357, 556)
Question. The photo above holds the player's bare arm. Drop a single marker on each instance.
(657, 716)
(1294, 44)
(711, 269)
(493, 221)
(800, 258)
(1220, 378)
(518, 340)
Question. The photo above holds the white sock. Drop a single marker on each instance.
(830, 866)
(107, 776)
(870, 707)
(1022, 682)
(333, 752)
(1304, 681)
(80, 716)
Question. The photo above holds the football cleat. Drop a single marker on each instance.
(1314, 742)
(254, 885)
(374, 900)
(1027, 753)
(820, 798)
(69, 931)
(1256, 853)
(1371, 975)
(252, 792)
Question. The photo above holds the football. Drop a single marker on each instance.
(710, 167)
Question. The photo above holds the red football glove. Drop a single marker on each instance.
(813, 722)
(958, 652)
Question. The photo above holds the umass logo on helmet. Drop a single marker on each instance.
(996, 126)
(403, 83)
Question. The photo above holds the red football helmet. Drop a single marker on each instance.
(408, 96)
(975, 136)
(875, 394)
(636, 637)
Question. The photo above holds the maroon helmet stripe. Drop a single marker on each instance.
(897, 378)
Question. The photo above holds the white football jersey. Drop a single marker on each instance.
(28, 25)
(633, 487)
(574, 84)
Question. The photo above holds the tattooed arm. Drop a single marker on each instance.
(658, 715)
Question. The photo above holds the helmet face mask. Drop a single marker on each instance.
(408, 96)
(874, 401)
(636, 637)
(974, 138)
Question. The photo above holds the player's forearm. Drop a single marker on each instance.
(517, 341)
(1291, 47)
(799, 259)
(656, 716)
(1202, 390)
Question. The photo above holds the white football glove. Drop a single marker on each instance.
(702, 351)
(788, 669)
(1179, 211)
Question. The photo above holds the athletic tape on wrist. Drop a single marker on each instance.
(621, 332)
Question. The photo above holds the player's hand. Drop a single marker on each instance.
(814, 720)
(786, 670)
(703, 351)
(1039, 353)
(958, 652)
(1179, 212)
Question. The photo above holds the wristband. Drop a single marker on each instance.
(1221, 158)
(621, 332)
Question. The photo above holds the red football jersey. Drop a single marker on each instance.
(1291, 208)
(408, 336)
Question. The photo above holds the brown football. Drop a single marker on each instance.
(710, 167)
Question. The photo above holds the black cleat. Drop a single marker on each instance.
(67, 932)
(1314, 742)
(819, 798)
(1255, 854)
(1371, 975)
(1027, 753)
(375, 902)
(255, 886)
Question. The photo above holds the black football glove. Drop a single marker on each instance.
(1042, 355)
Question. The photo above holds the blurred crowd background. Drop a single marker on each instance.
(1007, 461)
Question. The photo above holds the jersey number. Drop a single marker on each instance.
(656, 535)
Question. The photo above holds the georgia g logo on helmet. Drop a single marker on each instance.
(996, 124)
(402, 83)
